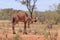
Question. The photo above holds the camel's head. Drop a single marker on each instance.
(34, 19)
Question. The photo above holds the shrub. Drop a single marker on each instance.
(16, 37)
(19, 30)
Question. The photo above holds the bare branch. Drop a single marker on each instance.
(34, 5)
(28, 3)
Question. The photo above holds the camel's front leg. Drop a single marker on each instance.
(25, 32)
(28, 24)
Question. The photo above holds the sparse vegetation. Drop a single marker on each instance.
(48, 23)
(16, 37)
(19, 30)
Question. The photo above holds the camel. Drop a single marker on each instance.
(21, 16)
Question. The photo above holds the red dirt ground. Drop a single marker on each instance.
(10, 36)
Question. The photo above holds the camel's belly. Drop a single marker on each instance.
(21, 20)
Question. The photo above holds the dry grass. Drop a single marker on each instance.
(35, 32)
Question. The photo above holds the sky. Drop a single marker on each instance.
(41, 5)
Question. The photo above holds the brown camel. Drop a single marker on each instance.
(21, 16)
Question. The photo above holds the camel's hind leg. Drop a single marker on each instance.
(13, 24)
(13, 30)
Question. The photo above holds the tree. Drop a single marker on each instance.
(58, 8)
(57, 12)
(30, 4)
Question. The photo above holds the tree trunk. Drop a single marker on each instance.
(31, 16)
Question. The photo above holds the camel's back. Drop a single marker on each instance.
(22, 13)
